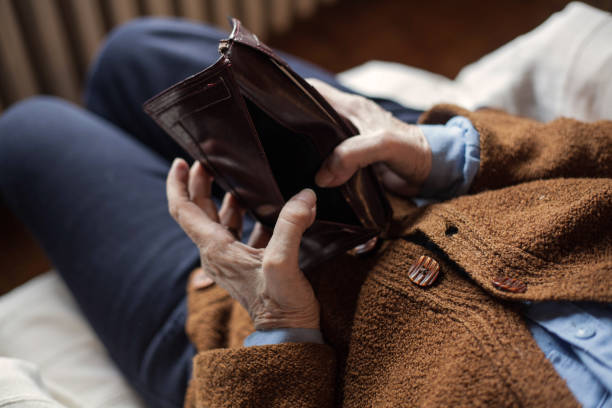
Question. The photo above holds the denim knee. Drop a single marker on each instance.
(133, 47)
(25, 135)
(124, 47)
(25, 122)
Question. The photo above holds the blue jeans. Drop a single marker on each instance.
(90, 185)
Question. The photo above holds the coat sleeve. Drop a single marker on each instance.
(283, 375)
(227, 374)
(514, 150)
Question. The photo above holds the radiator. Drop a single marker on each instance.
(47, 45)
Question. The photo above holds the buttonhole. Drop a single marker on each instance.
(451, 230)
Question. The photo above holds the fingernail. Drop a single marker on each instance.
(307, 196)
(180, 166)
(324, 178)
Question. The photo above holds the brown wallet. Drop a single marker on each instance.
(263, 132)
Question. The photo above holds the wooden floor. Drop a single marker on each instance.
(440, 36)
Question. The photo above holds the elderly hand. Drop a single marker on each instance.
(401, 149)
(266, 281)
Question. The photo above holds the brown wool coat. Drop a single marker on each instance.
(539, 210)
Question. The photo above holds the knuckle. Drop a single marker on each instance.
(213, 260)
(363, 104)
(211, 250)
(174, 210)
(225, 248)
(356, 104)
(368, 105)
(211, 271)
(273, 261)
(386, 139)
(341, 157)
(296, 214)
(205, 254)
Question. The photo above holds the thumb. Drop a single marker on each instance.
(296, 215)
(352, 154)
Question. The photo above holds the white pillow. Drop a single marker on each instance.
(561, 68)
(51, 353)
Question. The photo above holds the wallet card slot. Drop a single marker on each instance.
(209, 93)
(185, 89)
(213, 93)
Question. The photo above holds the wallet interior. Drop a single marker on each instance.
(294, 161)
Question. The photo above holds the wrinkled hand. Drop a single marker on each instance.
(266, 281)
(402, 151)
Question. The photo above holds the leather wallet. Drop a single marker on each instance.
(263, 132)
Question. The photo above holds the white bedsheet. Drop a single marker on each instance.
(561, 68)
(50, 356)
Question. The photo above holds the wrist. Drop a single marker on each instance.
(284, 335)
(411, 153)
(271, 317)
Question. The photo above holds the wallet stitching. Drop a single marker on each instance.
(227, 96)
(159, 103)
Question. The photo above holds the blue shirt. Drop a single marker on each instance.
(575, 337)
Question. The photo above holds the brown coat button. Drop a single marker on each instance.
(508, 284)
(200, 280)
(424, 271)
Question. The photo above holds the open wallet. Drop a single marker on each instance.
(263, 132)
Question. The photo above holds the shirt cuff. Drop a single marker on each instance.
(455, 150)
(288, 335)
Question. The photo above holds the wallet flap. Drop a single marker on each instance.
(207, 116)
(241, 35)
(263, 132)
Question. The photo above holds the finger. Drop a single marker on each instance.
(260, 236)
(356, 108)
(230, 215)
(332, 94)
(398, 185)
(351, 155)
(192, 219)
(200, 186)
(296, 215)
(380, 169)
